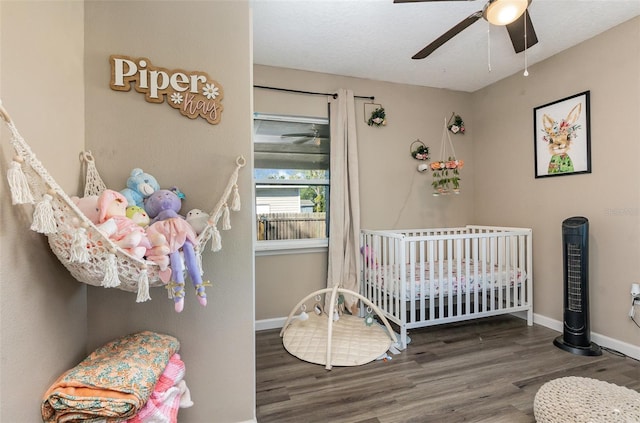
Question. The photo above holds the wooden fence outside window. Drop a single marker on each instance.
(278, 226)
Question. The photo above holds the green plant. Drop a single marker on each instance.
(378, 117)
(446, 175)
(456, 125)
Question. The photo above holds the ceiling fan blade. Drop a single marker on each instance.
(302, 140)
(298, 135)
(516, 32)
(448, 35)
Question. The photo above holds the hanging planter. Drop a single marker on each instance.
(377, 115)
(446, 173)
(419, 151)
(446, 176)
(455, 124)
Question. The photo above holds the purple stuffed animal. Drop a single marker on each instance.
(163, 207)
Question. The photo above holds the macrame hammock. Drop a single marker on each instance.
(89, 255)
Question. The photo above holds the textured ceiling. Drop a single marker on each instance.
(375, 39)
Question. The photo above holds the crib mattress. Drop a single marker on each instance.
(462, 280)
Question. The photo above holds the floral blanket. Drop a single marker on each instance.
(113, 383)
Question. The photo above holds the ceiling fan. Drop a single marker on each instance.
(509, 13)
(303, 137)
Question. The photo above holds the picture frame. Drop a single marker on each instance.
(562, 136)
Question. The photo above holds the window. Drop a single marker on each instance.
(291, 165)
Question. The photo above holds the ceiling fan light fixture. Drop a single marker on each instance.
(503, 12)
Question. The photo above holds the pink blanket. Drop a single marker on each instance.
(169, 394)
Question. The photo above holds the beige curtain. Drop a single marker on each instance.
(344, 199)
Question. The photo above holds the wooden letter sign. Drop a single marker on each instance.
(193, 93)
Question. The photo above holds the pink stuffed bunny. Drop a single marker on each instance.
(114, 223)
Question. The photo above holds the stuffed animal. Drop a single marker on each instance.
(163, 207)
(158, 253)
(89, 206)
(198, 220)
(138, 215)
(140, 185)
(114, 223)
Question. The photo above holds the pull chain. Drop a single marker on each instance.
(489, 45)
(526, 71)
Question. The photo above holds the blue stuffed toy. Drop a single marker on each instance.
(140, 185)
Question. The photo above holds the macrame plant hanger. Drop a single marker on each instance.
(446, 177)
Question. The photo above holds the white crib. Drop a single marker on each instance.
(428, 277)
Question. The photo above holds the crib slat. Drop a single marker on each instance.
(500, 283)
(400, 260)
(476, 267)
(423, 288)
(440, 281)
(458, 283)
(412, 279)
(432, 268)
(483, 264)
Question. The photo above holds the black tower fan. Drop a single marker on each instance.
(576, 337)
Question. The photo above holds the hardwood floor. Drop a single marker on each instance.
(486, 370)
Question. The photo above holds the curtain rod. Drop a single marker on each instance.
(334, 95)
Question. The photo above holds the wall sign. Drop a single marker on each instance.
(194, 93)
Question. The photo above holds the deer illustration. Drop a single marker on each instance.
(559, 137)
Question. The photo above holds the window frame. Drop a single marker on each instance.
(289, 246)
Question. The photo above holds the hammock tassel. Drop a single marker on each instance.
(20, 191)
(110, 272)
(226, 219)
(143, 287)
(43, 220)
(79, 252)
(235, 202)
(216, 241)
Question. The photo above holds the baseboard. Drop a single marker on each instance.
(625, 348)
(267, 324)
(547, 322)
(602, 340)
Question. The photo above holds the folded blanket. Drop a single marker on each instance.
(113, 383)
(169, 394)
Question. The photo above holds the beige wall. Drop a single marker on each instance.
(124, 131)
(43, 310)
(393, 194)
(507, 192)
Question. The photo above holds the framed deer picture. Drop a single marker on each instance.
(562, 137)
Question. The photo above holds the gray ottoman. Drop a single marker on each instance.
(583, 400)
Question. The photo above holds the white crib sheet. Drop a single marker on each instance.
(491, 276)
